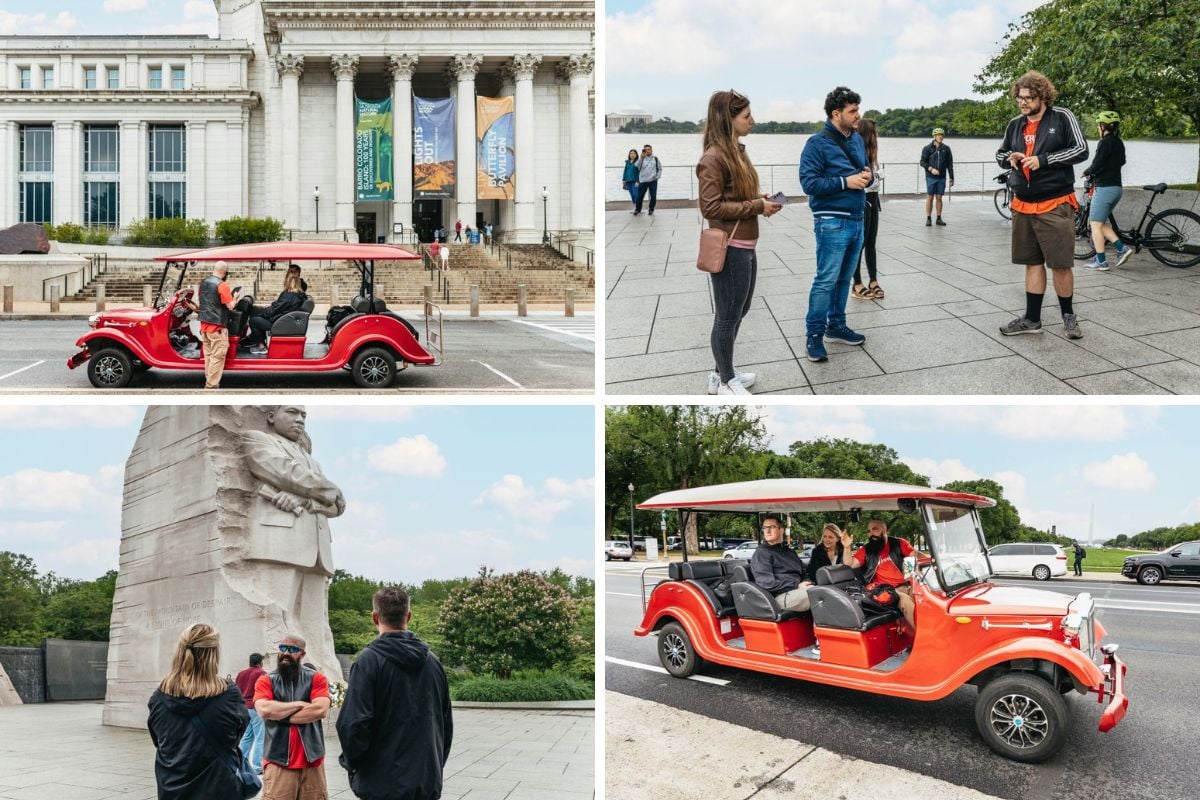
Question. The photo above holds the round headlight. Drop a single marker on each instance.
(93, 319)
(1072, 623)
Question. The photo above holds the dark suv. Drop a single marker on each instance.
(1181, 562)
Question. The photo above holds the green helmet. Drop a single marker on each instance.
(1108, 117)
(939, 131)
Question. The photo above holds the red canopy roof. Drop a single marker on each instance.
(296, 251)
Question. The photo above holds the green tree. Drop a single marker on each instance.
(82, 610)
(352, 630)
(1001, 523)
(20, 601)
(1138, 57)
(352, 592)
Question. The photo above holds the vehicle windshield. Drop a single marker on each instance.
(172, 279)
(957, 544)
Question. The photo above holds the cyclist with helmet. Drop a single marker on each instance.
(1105, 174)
(938, 163)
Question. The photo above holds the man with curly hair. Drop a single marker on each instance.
(1040, 145)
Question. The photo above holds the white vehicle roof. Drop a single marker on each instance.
(804, 494)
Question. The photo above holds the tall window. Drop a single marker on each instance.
(101, 152)
(168, 168)
(26, 77)
(37, 148)
(35, 201)
(156, 77)
(176, 77)
(89, 77)
(114, 77)
(35, 189)
(47, 77)
(100, 203)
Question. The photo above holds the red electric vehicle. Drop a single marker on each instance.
(373, 343)
(1024, 649)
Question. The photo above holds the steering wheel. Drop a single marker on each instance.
(183, 304)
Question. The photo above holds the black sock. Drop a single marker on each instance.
(1033, 307)
(1065, 304)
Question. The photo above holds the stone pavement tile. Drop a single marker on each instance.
(1179, 377)
(524, 792)
(930, 344)
(634, 317)
(1137, 316)
(652, 287)
(685, 305)
(920, 290)
(1008, 375)
(789, 284)
(1184, 344)
(674, 363)
(846, 362)
(957, 278)
(1124, 351)
(864, 315)
(681, 333)
(55, 789)
(1179, 292)
(625, 346)
(783, 376)
(1061, 357)
(1119, 382)
(643, 269)
(969, 308)
(481, 794)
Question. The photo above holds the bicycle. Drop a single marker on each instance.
(1172, 237)
(1003, 196)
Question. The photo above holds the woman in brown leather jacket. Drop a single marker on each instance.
(730, 200)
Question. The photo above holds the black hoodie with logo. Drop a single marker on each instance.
(395, 726)
(185, 765)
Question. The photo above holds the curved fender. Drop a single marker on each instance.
(91, 340)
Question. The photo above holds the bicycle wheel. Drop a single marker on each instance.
(1084, 249)
(1174, 237)
(1002, 198)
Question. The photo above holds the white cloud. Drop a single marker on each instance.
(29, 532)
(124, 6)
(1014, 484)
(789, 425)
(200, 17)
(12, 24)
(1126, 472)
(414, 457)
(585, 567)
(68, 417)
(1064, 523)
(1076, 423)
(578, 489)
(941, 472)
(357, 414)
(1192, 511)
(790, 110)
(533, 509)
(41, 490)
(88, 556)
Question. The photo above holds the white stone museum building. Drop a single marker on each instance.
(261, 121)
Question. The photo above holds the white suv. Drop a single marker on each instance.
(620, 550)
(1042, 561)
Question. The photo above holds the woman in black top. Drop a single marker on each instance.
(829, 551)
(290, 299)
(1105, 172)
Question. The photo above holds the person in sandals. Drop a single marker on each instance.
(872, 291)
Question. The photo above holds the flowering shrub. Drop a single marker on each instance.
(499, 624)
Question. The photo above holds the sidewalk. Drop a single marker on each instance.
(60, 750)
(936, 331)
(33, 310)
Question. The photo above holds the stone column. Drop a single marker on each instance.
(522, 69)
(197, 196)
(235, 133)
(130, 177)
(402, 67)
(465, 68)
(8, 172)
(66, 175)
(290, 68)
(577, 70)
(345, 67)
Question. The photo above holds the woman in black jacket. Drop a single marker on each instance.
(189, 763)
(1105, 172)
(290, 299)
(828, 551)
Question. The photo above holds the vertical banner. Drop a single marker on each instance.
(495, 177)
(433, 147)
(373, 149)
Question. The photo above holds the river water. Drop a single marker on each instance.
(777, 158)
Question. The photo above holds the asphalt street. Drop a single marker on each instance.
(1150, 754)
(542, 354)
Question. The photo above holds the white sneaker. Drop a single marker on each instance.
(746, 378)
(735, 386)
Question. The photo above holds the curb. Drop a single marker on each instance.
(454, 314)
(539, 705)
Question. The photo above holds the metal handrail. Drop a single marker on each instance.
(643, 577)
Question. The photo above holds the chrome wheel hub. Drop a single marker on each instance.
(1019, 721)
(674, 650)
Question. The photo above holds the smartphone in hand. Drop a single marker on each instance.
(778, 197)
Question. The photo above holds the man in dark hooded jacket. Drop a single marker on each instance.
(395, 726)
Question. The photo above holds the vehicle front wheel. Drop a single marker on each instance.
(607, 557)
(675, 651)
(1149, 576)
(374, 368)
(1041, 572)
(1022, 717)
(111, 368)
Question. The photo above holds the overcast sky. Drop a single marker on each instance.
(81, 17)
(1054, 461)
(432, 491)
(667, 56)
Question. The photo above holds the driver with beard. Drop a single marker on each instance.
(292, 701)
(882, 561)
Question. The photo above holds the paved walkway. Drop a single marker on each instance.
(937, 330)
(60, 750)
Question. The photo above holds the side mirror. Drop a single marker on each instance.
(1174, 554)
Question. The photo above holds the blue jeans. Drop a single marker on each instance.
(252, 741)
(839, 240)
(633, 191)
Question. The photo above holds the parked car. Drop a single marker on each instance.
(1024, 649)
(743, 550)
(673, 542)
(620, 550)
(728, 542)
(1181, 562)
(805, 551)
(1042, 561)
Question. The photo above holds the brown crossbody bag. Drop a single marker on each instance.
(713, 244)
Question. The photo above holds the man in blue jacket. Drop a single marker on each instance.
(938, 163)
(834, 173)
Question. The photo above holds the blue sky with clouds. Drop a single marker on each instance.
(1134, 463)
(108, 17)
(667, 56)
(432, 491)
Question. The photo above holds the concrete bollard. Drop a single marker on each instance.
(569, 311)
(333, 295)
(427, 292)
(99, 296)
(8, 299)
(147, 299)
(474, 299)
(522, 298)
(54, 300)
(380, 290)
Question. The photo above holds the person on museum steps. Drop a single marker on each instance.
(216, 301)
(292, 701)
(261, 319)
(396, 725)
(252, 739)
(731, 202)
(196, 719)
(458, 231)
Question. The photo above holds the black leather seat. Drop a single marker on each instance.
(839, 576)
(707, 576)
(834, 608)
(1157, 188)
(294, 323)
(740, 572)
(754, 602)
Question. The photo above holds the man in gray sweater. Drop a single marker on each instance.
(649, 171)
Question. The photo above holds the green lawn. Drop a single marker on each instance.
(1099, 560)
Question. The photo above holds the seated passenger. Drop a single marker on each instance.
(828, 552)
(261, 319)
(882, 562)
(778, 569)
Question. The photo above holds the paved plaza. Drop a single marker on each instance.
(60, 750)
(937, 330)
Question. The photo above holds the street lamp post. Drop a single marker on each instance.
(317, 207)
(631, 548)
(545, 215)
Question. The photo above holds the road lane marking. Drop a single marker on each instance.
(566, 330)
(624, 594)
(22, 369)
(498, 372)
(1149, 605)
(652, 668)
